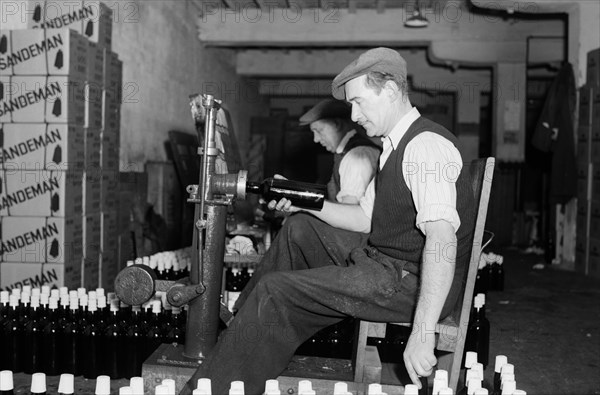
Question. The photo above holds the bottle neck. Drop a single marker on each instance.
(253, 187)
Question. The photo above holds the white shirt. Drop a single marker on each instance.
(357, 168)
(430, 167)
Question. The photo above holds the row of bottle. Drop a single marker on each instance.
(504, 377)
(83, 334)
(236, 278)
(167, 265)
(66, 386)
(490, 273)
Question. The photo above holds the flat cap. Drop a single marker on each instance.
(383, 60)
(328, 108)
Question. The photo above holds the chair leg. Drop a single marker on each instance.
(359, 350)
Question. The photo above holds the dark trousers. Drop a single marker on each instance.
(313, 276)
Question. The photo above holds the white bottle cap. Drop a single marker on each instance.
(137, 385)
(441, 374)
(92, 295)
(126, 391)
(100, 292)
(508, 387)
(446, 391)
(63, 290)
(4, 296)
(204, 384)
(45, 289)
(340, 388)
(507, 368)
(473, 385)
(472, 375)
(101, 299)
(374, 389)
(272, 387)
(66, 384)
(35, 292)
(162, 390)
(439, 383)
(102, 385)
(506, 377)
(470, 359)
(519, 392)
(237, 387)
(81, 291)
(304, 385)
(481, 391)
(171, 384)
(6, 380)
(38, 383)
(411, 389)
(199, 391)
(501, 360)
(478, 367)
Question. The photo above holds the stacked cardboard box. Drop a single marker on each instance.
(587, 248)
(52, 118)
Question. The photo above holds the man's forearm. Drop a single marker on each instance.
(437, 273)
(344, 216)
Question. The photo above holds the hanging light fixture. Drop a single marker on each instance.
(416, 19)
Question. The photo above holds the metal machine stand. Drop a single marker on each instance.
(137, 284)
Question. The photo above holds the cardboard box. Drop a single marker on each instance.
(45, 52)
(91, 249)
(113, 91)
(593, 68)
(39, 99)
(92, 19)
(41, 193)
(41, 239)
(596, 115)
(41, 146)
(92, 192)
(109, 195)
(17, 274)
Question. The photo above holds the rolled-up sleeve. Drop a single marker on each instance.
(431, 166)
(357, 169)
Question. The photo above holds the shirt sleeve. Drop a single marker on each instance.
(431, 166)
(368, 200)
(357, 169)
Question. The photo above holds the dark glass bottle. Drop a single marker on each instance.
(51, 345)
(301, 194)
(33, 347)
(91, 341)
(478, 334)
(500, 361)
(11, 338)
(6, 383)
(113, 344)
(134, 344)
(154, 333)
(233, 282)
(70, 338)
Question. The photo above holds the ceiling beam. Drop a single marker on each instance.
(340, 27)
(328, 63)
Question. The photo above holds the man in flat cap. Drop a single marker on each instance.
(418, 216)
(355, 155)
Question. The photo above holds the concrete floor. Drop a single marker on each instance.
(547, 322)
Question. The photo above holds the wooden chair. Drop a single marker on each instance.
(366, 362)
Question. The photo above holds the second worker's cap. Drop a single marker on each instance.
(328, 108)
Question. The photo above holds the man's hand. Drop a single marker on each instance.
(419, 357)
(283, 205)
